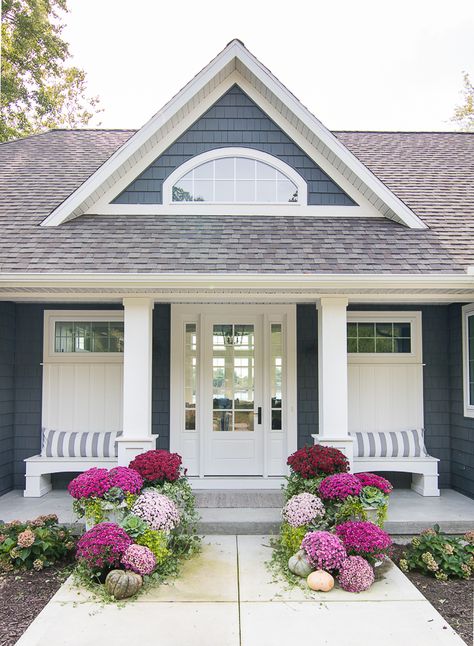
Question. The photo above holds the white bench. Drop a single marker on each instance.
(39, 470)
(424, 471)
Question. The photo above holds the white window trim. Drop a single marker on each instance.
(51, 317)
(414, 318)
(219, 153)
(467, 311)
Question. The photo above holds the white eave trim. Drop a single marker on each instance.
(235, 51)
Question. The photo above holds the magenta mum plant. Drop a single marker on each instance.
(339, 486)
(93, 483)
(324, 550)
(126, 479)
(361, 538)
(372, 480)
(356, 574)
(103, 546)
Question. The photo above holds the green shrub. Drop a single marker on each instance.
(435, 554)
(34, 544)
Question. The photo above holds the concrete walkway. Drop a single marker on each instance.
(227, 597)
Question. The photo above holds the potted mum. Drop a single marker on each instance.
(365, 539)
(102, 494)
(310, 465)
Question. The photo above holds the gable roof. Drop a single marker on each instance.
(233, 63)
(432, 172)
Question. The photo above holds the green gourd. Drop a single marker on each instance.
(299, 564)
(122, 584)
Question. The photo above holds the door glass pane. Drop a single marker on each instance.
(233, 366)
(276, 374)
(190, 376)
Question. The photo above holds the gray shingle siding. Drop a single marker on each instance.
(307, 372)
(462, 428)
(161, 374)
(7, 394)
(234, 120)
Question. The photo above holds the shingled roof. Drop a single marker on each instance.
(433, 173)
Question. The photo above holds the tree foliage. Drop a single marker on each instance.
(39, 90)
(464, 114)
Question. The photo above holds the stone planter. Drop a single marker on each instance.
(112, 514)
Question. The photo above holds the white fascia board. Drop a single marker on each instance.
(74, 204)
(216, 281)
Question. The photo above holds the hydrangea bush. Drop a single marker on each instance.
(324, 550)
(444, 557)
(302, 509)
(34, 544)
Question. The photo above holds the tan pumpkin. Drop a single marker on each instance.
(122, 584)
(321, 581)
(299, 564)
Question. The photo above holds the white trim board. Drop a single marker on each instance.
(467, 311)
(235, 57)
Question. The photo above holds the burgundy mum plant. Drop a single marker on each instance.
(324, 550)
(317, 460)
(103, 546)
(157, 466)
(339, 486)
(361, 538)
(372, 480)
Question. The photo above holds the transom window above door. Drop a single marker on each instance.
(235, 176)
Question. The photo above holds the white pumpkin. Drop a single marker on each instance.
(299, 564)
(320, 580)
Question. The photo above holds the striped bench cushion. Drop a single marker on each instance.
(65, 444)
(389, 444)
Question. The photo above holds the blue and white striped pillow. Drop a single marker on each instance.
(75, 444)
(389, 444)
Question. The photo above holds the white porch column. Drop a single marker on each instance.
(332, 357)
(137, 370)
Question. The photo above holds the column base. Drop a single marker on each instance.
(344, 444)
(129, 448)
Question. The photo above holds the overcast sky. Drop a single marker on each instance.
(357, 65)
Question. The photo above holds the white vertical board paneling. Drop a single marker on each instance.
(385, 397)
(83, 396)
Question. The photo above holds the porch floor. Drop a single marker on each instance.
(259, 512)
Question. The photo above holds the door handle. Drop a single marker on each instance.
(259, 415)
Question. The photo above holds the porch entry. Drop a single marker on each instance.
(233, 389)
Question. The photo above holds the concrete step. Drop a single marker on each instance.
(239, 520)
(238, 498)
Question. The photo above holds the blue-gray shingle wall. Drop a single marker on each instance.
(449, 435)
(7, 394)
(234, 120)
(462, 428)
(307, 372)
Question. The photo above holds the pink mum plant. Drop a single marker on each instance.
(139, 559)
(373, 480)
(361, 538)
(356, 574)
(324, 550)
(103, 546)
(339, 486)
(302, 509)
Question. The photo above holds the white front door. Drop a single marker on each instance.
(233, 389)
(233, 395)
